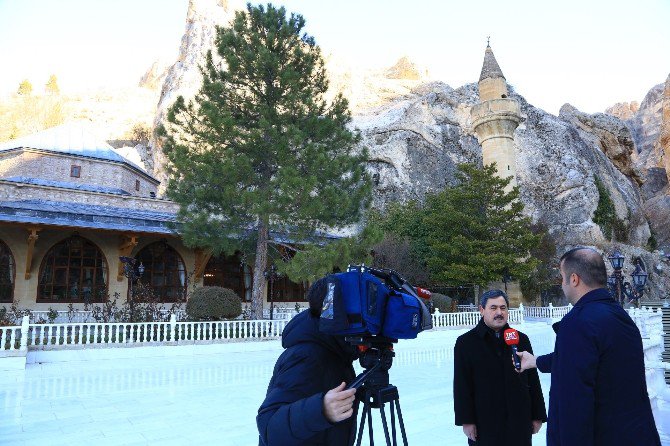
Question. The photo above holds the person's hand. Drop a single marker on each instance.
(470, 431)
(338, 403)
(527, 361)
(537, 425)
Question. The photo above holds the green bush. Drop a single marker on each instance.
(605, 216)
(442, 302)
(212, 303)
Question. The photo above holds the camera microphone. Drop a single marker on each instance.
(511, 337)
(423, 293)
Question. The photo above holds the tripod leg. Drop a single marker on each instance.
(393, 433)
(384, 424)
(372, 439)
(401, 422)
(366, 410)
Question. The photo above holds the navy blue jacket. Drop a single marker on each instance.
(312, 364)
(598, 394)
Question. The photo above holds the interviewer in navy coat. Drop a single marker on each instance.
(306, 403)
(598, 394)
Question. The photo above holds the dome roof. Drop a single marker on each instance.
(71, 139)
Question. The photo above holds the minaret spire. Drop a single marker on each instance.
(490, 67)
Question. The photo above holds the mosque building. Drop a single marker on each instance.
(71, 206)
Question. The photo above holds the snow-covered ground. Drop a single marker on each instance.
(213, 398)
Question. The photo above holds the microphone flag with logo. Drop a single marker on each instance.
(511, 337)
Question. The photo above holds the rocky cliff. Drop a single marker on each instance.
(183, 78)
(416, 140)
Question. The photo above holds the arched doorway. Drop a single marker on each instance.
(164, 272)
(7, 273)
(73, 271)
(229, 272)
(285, 290)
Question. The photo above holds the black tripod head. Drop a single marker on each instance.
(374, 389)
(376, 358)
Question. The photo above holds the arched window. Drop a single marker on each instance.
(74, 270)
(7, 273)
(164, 272)
(229, 272)
(285, 290)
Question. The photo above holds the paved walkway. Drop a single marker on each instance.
(212, 399)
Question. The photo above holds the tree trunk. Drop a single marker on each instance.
(257, 297)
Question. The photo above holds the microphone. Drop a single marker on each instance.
(511, 337)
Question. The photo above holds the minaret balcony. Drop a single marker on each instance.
(503, 108)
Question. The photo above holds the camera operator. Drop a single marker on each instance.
(496, 405)
(306, 402)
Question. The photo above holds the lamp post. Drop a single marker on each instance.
(621, 289)
(271, 275)
(132, 275)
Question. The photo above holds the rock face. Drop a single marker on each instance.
(623, 110)
(663, 145)
(154, 78)
(650, 129)
(608, 133)
(183, 77)
(405, 69)
(416, 142)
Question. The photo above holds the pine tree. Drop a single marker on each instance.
(51, 86)
(545, 274)
(259, 150)
(476, 230)
(25, 88)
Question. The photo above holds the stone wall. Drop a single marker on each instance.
(10, 191)
(93, 172)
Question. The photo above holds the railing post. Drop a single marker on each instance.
(521, 310)
(173, 324)
(25, 324)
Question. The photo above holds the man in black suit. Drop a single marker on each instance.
(495, 404)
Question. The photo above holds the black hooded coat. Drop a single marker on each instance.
(312, 364)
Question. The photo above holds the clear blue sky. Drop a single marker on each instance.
(590, 53)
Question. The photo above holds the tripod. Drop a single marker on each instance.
(374, 390)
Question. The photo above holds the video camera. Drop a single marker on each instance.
(367, 301)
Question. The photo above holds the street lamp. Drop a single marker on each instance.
(271, 275)
(621, 289)
(132, 275)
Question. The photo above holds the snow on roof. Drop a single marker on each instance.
(72, 139)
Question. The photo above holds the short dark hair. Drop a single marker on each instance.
(588, 264)
(492, 294)
(315, 296)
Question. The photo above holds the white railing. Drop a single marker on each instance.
(10, 338)
(83, 316)
(282, 312)
(138, 333)
(469, 318)
(468, 307)
(550, 313)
